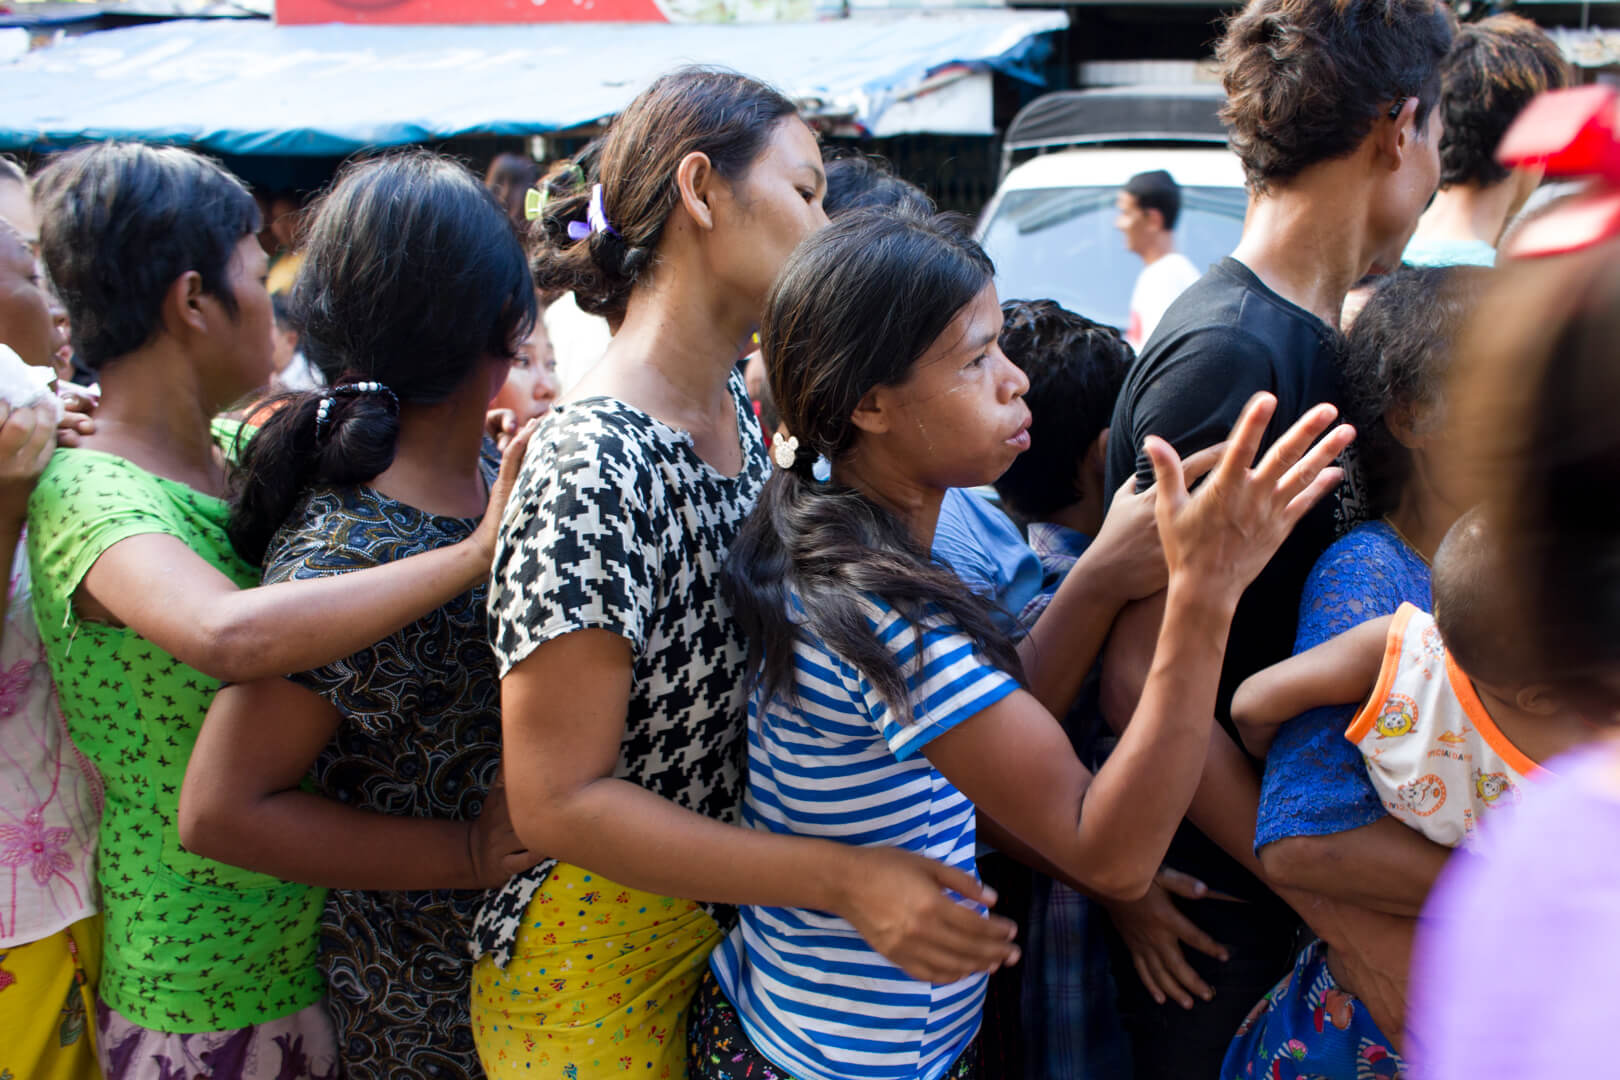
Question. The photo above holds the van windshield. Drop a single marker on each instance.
(1060, 244)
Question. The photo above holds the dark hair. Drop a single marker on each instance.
(1157, 190)
(1398, 356)
(1305, 79)
(1075, 368)
(1493, 70)
(120, 222)
(509, 178)
(1471, 608)
(854, 308)
(281, 310)
(412, 275)
(727, 116)
(857, 181)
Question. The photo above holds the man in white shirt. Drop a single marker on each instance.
(1148, 206)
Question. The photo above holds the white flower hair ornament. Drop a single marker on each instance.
(784, 451)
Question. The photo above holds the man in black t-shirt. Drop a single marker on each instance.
(1337, 178)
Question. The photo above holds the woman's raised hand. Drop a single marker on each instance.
(1221, 536)
(897, 900)
(1130, 533)
(511, 461)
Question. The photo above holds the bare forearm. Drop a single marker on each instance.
(301, 836)
(1066, 640)
(1163, 749)
(1384, 866)
(632, 836)
(298, 625)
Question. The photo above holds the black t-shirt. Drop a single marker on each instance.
(1223, 340)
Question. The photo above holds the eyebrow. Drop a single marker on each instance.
(814, 170)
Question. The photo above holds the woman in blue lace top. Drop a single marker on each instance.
(1321, 827)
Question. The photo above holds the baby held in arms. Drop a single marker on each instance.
(1454, 723)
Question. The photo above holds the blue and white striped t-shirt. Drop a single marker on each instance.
(812, 995)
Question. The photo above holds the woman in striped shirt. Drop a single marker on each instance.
(887, 709)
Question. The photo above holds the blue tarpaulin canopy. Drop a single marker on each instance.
(256, 88)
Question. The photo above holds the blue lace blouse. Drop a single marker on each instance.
(1316, 783)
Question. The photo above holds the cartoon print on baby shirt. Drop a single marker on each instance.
(1398, 717)
(1431, 651)
(1495, 789)
(1423, 796)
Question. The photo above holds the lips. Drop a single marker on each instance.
(1020, 440)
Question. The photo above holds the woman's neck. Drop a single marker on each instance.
(157, 412)
(916, 504)
(676, 348)
(1422, 517)
(436, 462)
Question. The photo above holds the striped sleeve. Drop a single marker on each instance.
(948, 680)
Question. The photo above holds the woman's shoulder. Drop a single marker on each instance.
(1367, 573)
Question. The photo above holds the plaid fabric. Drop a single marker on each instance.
(1071, 1026)
(1059, 549)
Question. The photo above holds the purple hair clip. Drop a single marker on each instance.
(595, 218)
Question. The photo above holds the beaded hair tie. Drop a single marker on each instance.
(323, 415)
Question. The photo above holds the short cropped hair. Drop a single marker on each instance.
(1471, 604)
(120, 221)
(1075, 368)
(1157, 190)
(1305, 79)
(1493, 70)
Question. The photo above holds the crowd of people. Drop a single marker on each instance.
(955, 687)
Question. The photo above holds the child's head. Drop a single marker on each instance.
(412, 279)
(880, 345)
(142, 241)
(286, 334)
(1470, 608)
(531, 386)
(857, 181)
(1075, 368)
(1398, 356)
(721, 154)
(1476, 614)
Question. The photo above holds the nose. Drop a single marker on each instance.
(1015, 384)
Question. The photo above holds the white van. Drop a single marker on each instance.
(1050, 225)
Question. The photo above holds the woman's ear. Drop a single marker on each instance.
(183, 305)
(1404, 425)
(694, 178)
(874, 412)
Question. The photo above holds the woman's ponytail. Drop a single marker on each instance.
(337, 437)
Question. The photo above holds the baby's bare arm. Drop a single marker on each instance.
(1340, 671)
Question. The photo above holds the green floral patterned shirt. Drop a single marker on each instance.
(191, 944)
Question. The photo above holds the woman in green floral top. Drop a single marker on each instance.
(145, 608)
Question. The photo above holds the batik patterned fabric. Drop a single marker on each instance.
(50, 794)
(192, 945)
(1433, 753)
(420, 737)
(296, 1047)
(618, 524)
(1309, 1029)
(599, 984)
(718, 1047)
(47, 1002)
